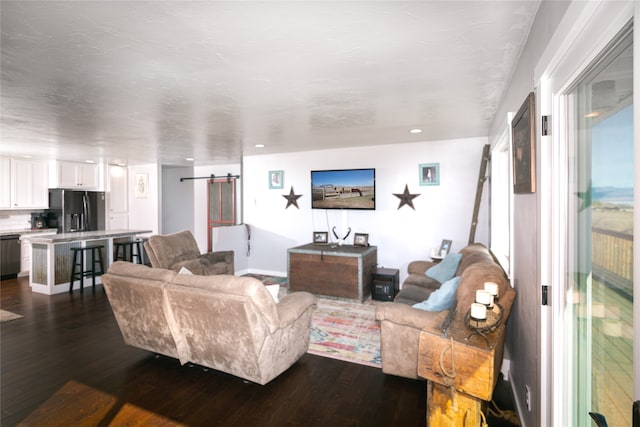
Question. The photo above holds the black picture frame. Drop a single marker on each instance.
(321, 237)
(360, 239)
(445, 245)
(523, 139)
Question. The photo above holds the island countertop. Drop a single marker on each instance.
(83, 235)
(28, 231)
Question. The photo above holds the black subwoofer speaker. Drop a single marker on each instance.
(385, 284)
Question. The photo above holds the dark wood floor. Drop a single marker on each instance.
(74, 337)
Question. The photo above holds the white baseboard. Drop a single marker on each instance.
(506, 367)
(517, 399)
(265, 272)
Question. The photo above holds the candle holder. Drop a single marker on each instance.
(482, 327)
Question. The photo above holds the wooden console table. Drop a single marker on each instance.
(338, 271)
(460, 373)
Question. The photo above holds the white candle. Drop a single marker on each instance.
(492, 288)
(478, 311)
(484, 297)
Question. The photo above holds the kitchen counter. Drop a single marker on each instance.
(83, 235)
(28, 231)
(51, 256)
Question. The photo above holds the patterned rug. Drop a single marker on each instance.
(340, 329)
(7, 316)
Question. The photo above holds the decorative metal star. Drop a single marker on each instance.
(586, 198)
(292, 198)
(406, 198)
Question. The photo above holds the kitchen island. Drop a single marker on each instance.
(51, 256)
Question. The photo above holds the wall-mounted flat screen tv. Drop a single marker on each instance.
(343, 189)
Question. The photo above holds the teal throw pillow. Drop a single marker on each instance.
(442, 298)
(445, 269)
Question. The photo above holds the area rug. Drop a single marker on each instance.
(7, 316)
(346, 331)
(340, 329)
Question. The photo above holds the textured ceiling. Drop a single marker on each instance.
(134, 81)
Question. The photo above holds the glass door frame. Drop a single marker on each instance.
(584, 32)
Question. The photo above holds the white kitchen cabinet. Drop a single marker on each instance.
(25, 251)
(118, 194)
(118, 198)
(5, 183)
(118, 222)
(84, 176)
(25, 261)
(26, 186)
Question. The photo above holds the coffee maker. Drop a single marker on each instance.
(39, 221)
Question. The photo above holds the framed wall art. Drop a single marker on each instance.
(524, 148)
(276, 179)
(429, 174)
(142, 185)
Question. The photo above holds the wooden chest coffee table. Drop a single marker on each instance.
(338, 271)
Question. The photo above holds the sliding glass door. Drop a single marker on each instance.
(599, 245)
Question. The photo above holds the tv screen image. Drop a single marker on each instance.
(343, 189)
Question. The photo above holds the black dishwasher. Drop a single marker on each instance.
(9, 256)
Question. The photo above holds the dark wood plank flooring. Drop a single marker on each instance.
(74, 337)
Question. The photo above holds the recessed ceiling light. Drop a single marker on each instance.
(416, 130)
(89, 161)
(26, 157)
(592, 114)
(122, 164)
(259, 145)
(189, 159)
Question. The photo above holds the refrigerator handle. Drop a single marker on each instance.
(86, 212)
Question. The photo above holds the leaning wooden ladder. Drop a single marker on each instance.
(482, 177)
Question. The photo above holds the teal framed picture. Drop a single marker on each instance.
(429, 173)
(276, 179)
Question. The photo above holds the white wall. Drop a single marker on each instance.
(144, 213)
(16, 220)
(402, 235)
(177, 200)
(523, 347)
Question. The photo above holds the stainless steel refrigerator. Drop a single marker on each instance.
(71, 210)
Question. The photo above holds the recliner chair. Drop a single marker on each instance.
(178, 250)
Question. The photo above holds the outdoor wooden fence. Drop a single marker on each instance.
(612, 256)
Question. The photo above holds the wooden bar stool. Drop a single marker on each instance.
(78, 269)
(121, 248)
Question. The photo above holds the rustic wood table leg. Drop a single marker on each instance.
(449, 408)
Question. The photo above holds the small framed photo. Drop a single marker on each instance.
(360, 239)
(445, 247)
(276, 179)
(320, 237)
(142, 185)
(429, 173)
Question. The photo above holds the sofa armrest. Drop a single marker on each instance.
(292, 306)
(406, 315)
(195, 266)
(219, 256)
(419, 266)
